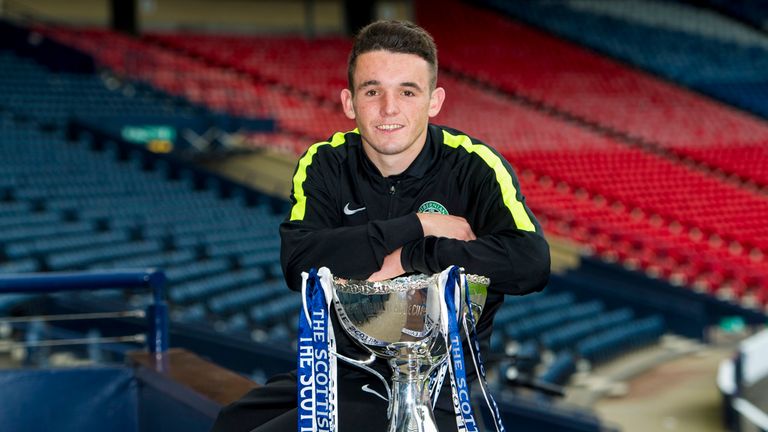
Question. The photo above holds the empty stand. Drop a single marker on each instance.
(229, 89)
(73, 205)
(57, 98)
(616, 119)
(716, 59)
(549, 333)
(286, 61)
(534, 140)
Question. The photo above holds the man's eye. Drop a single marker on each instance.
(408, 93)
(371, 93)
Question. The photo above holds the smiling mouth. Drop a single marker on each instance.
(389, 127)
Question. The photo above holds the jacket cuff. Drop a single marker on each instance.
(400, 231)
(405, 257)
(419, 256)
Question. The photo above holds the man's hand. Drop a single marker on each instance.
(390, 268)
(440, 225)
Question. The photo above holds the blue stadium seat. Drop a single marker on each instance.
(533, 326)
(20, 266)
(194, 313)
(84, 258)
(604, 345)
(165, 259)
(568, 335)
(39, 231)
(187, 272)
(61, 243)
(560, 370)
(244, 298)
(201, 289)
(276, 310)
(515, 308)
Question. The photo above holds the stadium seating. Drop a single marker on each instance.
(66, 206)
(548, 333)
(57, 98)
(606, 344)
(220, 89)
(687, 44)
(693, 48)
(578, 157)
(269, 59)
(530, 138)
(636, 124)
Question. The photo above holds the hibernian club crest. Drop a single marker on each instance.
(433, 207)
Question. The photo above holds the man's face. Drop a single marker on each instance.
(391, 105)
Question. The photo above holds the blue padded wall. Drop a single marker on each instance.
(69, 400)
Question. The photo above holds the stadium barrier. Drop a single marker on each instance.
(156, 313)
(159, 389)
(742, 380)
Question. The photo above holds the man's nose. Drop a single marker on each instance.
(389, 104)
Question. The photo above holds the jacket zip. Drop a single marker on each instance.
(392, 192)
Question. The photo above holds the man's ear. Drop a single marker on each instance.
(436, 100)
(347, 105)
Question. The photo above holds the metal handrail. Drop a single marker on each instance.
(156, 313)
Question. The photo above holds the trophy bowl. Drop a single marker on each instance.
(399, 320)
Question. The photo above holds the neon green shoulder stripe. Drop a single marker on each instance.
(298, 210)
(508, 190)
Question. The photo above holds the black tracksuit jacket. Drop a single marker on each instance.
(348, 217)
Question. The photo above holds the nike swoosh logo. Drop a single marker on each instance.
(366, 388)
(349, 212)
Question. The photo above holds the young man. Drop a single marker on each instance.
(397, 195)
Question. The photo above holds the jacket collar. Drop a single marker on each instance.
(423, 162)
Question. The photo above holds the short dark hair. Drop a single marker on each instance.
(397, 37)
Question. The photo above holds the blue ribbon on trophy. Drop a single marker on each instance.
(474, 347)
(449, 285)
(317, 394)
(450, 282)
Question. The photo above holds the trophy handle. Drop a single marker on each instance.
(363, 364)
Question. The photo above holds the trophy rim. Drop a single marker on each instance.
(398, 284)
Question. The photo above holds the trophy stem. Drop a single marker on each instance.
(411, 405)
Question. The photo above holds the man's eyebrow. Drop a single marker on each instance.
(368, 84)
(410, 84)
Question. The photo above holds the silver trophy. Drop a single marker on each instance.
(399, 320)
